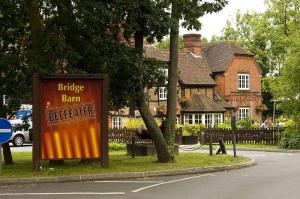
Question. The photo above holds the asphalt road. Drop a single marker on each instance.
(277, 175)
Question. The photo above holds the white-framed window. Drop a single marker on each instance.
(197, 119)
(188, 119)
(192, 119)
(218, 119)
(116, 122)
(162, 93)
(208, 120)
(243, 113)
(243, 81)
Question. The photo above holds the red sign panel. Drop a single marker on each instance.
(70, 118)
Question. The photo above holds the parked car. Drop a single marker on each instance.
(22, 127)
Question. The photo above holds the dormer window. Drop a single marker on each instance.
(243, 81)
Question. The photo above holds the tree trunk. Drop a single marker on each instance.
(163, 154)
(172, 78)
(7, 154)
(36, 30)
(6, 148)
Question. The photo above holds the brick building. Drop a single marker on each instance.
(214, 80)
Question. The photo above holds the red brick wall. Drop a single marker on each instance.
(242, 65)
(220, 81)
(227, 84)
(248, 98)
(189, 91)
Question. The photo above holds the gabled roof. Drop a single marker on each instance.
(200, 103)
(220, 54)
(193, 71)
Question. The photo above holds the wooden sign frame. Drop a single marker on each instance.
(37, 121)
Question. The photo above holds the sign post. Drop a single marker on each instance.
(70, 118)
(233, 127)
(6, 131)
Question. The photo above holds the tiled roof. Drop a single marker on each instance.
(226, 105)
(192, 70)
(201, 103)
(220, 54)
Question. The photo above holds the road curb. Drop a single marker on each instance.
(129, 175)
(270, 150)
(261, 150)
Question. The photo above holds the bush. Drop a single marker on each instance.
(134, 123)
(255, 126)
(245, 123)
(115, 146)
(226, 124)
(192, 129)
(290, 139)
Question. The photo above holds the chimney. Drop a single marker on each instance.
(192, 43)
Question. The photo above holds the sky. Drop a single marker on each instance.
(212, 24)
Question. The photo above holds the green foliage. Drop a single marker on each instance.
(115, 146)
(290, 138)
(118, 162)
(286, 87)
(245, 123)
(192, 129)
(225, 125)
(133, 123)
(165, 43)
(14, 73)
(269, 36)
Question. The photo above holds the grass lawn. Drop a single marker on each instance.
(118, 162)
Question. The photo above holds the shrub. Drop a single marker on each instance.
(245, 123)
(115, 146)
(255, 126)
(290, 139)
(134, 123)
(192, 129)
(224, 126)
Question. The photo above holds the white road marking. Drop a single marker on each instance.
(123, 181)
(66, 193)
(168, 182)
(5, 130)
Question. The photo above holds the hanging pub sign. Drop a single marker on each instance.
(70, 118)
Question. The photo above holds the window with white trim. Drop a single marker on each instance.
(192, 119)
(116, 122)
(217, 119)
(188, 118)
(162, 93)
(244, 113)
(197, 119)
(208, 120)
(243, 81)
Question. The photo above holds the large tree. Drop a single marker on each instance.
(267, 35)
(88, 36)
(13, 70)
(286, 87)
(145, 19)
(189, 12)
